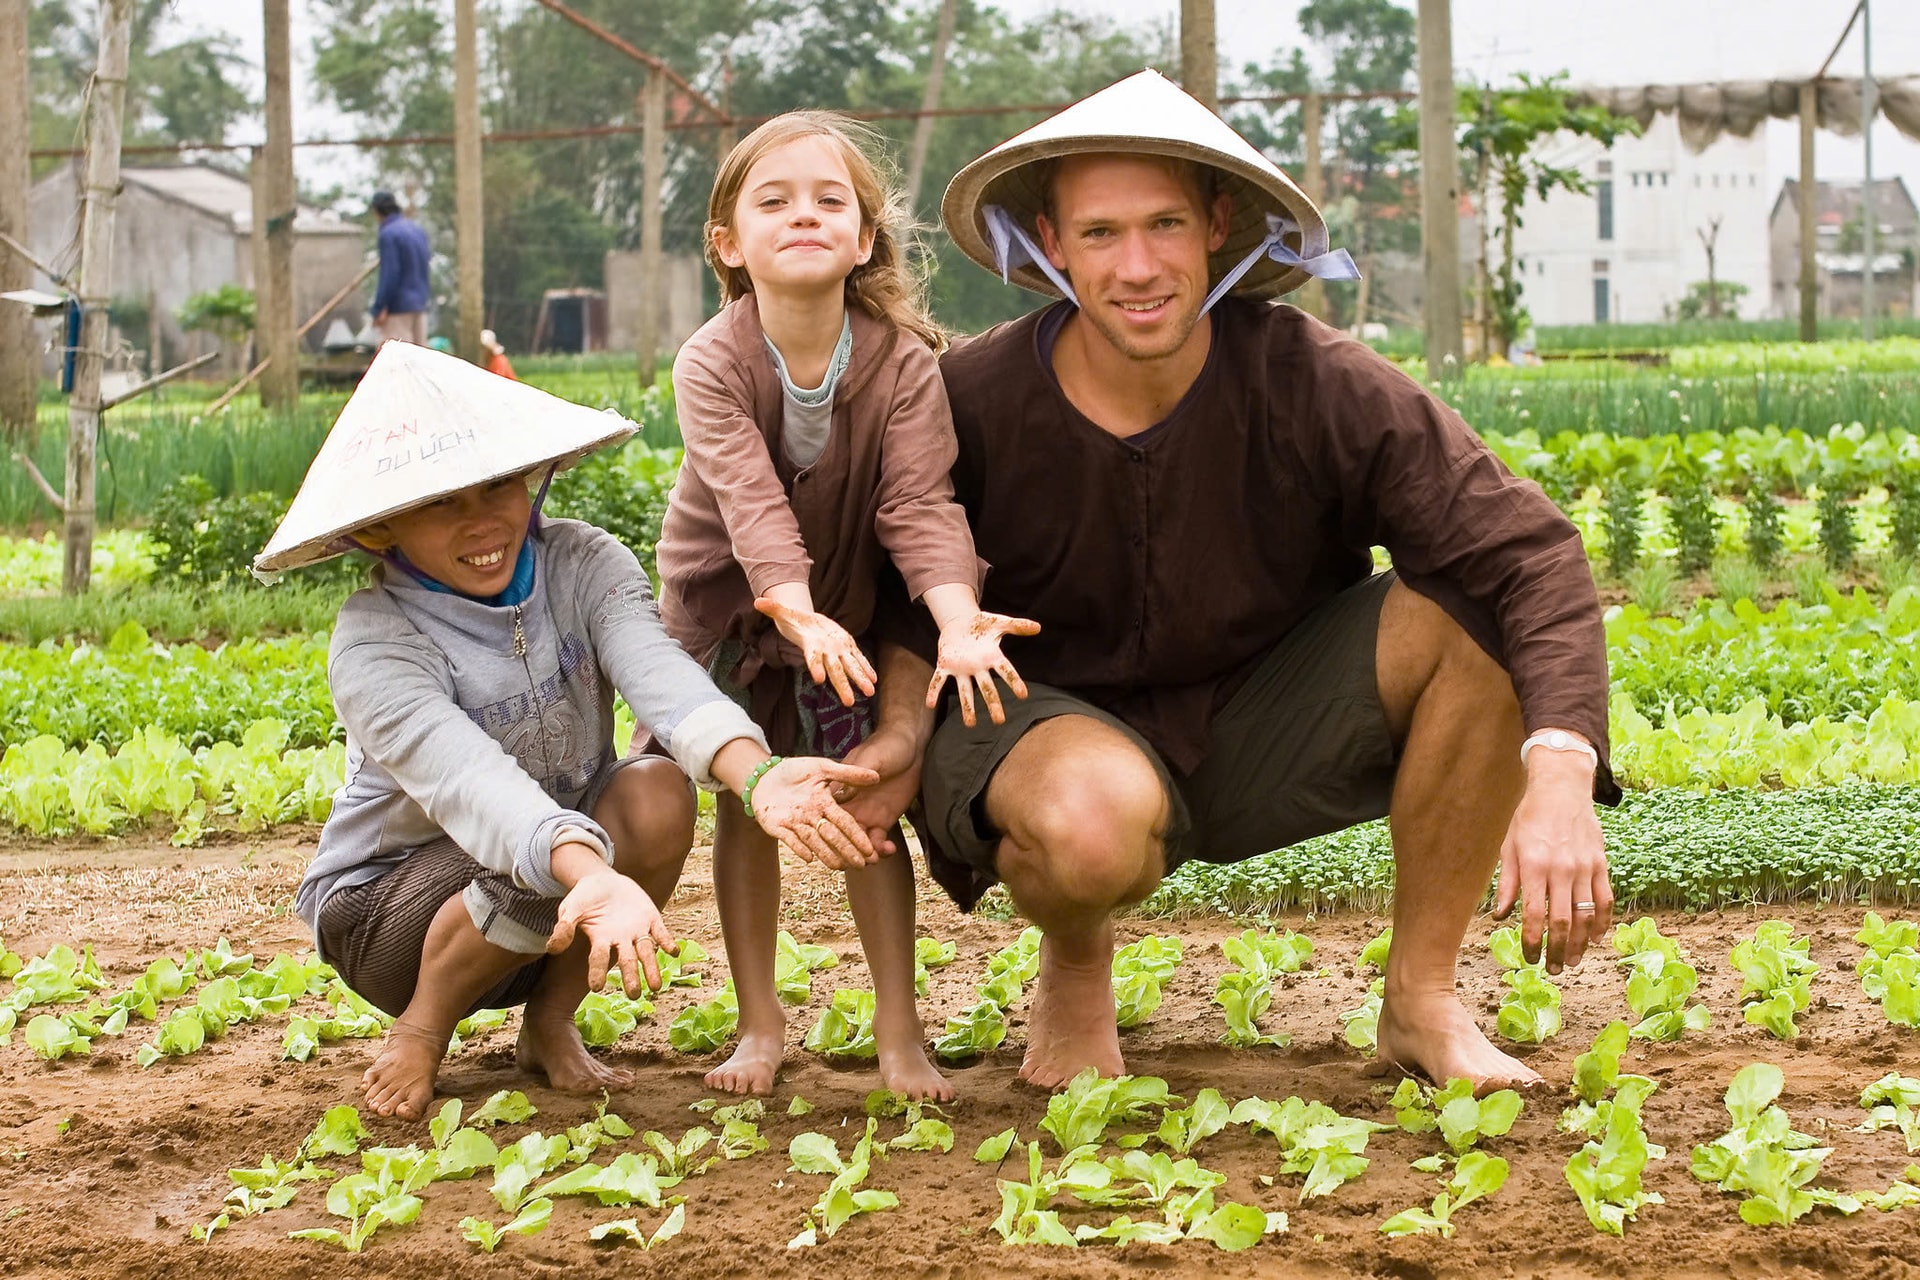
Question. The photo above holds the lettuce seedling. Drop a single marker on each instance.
(1530, 1012)
(55, 1038)
(1315, 1140)
(793, 967)
(1893, 1102)
(1181, 1130)
(978, 1030)
(1778, 977)
(628, 1229)
(1476, 1175)
(516, 1167)
(1233, 1227)
(1764, 1157)
(1894, 980)
(1079, 1115)
(845, 1028)
(844, 1198)
(704, 1027)
(1374, 954)
(1606, 1175)
(532, 1218)
(681, 1160)
(1135, 1177)
(58, 977)
(1268, 953)
(1881, 937)
(1362, 1024)
(632, 1178)
(509, 1106)
(1243, 995)
(993, 1150)
(604, 1016)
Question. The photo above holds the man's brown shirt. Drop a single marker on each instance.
(1163, 567)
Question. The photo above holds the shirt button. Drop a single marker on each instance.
(1139, 538)
(1139, 457)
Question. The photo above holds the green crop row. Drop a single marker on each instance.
(1718, 359)
(1666, 849)
(1788, 463)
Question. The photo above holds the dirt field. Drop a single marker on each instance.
(143, 1154)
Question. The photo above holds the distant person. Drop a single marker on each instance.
(400, 302)
(497, 361)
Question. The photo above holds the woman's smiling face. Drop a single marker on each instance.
(469, 540)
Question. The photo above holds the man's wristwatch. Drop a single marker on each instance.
(1558, 740)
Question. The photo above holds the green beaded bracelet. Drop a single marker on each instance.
(753, 780)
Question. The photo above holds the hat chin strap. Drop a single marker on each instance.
(1336, 264)
(1009, 237)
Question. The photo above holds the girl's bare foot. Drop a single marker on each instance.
(552, 1046)
(755, 1062)
(1072, 1026)
(905, 1067)
(400, 1081)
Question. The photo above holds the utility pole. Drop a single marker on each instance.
(1869, 105)
(930, 100)
(1439, 190)
(653, 160)
(102, 183)
(1313, 294)
(1199, 55)
(468, 223)
(1809, 279)
(19, 371)
(278, 199)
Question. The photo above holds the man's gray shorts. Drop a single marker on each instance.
(1301, 749)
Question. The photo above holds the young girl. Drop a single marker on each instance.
(488, 848)
(818, 444)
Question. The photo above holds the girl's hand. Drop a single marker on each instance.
(622, 925)
(793, 802)
(832, 655)
(970, 655)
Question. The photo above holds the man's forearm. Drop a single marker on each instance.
(901, 699)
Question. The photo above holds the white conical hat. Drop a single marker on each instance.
(422, 425)
(1146, 113)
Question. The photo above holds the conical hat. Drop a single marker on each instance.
(1145, 113)
(422, 425)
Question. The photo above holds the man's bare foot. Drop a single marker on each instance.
(1072, 1026)
(1434, 1035)
(755, 1062)
(905, 1067)
(400, 1081)
(553, 1047)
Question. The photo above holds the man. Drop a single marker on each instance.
(400, 300)
(1184, 494)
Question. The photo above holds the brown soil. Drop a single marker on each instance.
(109, 1165)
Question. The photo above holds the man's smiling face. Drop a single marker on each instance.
(1133, 234)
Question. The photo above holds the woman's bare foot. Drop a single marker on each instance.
(1433, 1035)
(755, 1062)
(400, 1081)
(905, 1067)
(1072, 1026)
(552, 1046)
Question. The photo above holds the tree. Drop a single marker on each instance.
(1363, 46)
(178, 91)
(1710, 241)
(1500, 133)
(228, 313)
(1711, 298)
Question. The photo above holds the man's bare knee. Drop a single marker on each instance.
(1084, 813)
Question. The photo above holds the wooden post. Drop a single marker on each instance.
(19, 364)
(102, 184)
(1439, 190)
(1199, 55)
(653, 160)
(1809, 278)
(469, 227)
(257, 255)
(1313, 294)
(280, 387)
(1869, 102)
(930, 101)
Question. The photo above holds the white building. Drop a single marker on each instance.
(1626, 251)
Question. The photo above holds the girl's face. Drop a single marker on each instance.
(796, 224)
(469, 540)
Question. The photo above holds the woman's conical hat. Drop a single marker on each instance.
(422, 425)
(1143, 114)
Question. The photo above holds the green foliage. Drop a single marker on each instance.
(1716, 300)
(1890, 971)
(1696, 522)
(1763, 526)
(122, 558)
(1659, 983)
(623, 491)
(171, 614)
(1778, 977)
(1762, 1157)
(1475, 1176)
(227, 311)
(1139, 969)
(1839, 536)
(1607, 1174)
(1090, 1104)
(845, 1028)
(1315, 1140)
(1623, 527)
(1904, 508)
(704, 1027)
(208, 540)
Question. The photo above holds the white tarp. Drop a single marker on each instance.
(1706, 111)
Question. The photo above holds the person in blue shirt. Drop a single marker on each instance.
(400, 301)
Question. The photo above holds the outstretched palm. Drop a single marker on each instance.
(970, 656)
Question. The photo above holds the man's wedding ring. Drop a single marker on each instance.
(1583, 906)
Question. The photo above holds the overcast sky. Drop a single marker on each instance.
(1612, 42)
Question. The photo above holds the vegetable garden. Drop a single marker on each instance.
(1735, 1071)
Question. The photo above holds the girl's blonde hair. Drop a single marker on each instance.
(886, 286)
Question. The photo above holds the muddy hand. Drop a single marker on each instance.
(833, 657)
(970, 655)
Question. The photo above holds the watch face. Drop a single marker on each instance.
(1559, 740)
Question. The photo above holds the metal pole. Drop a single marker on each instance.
(1809, 279)
(469, 226)
(274, 277)
(1199, 53)
(19, 364)
(930, 100)
(653, 112)
(108, 94)
(1869, 103)
(1439, 190)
